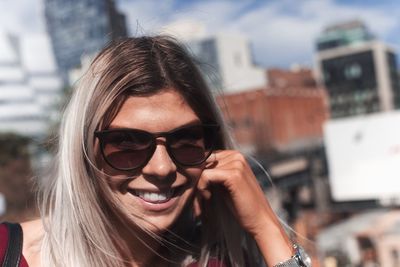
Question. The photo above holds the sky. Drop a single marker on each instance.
(281, 32)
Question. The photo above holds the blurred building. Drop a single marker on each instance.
(280, 125)
(285, 116)
(80, 28)
(225, 59)
(360, 149)
(30, 86)
(226, 62)
(369, 237)
(297, 76)
(359, 71)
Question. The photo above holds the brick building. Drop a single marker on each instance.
(287, 115)
(279, 78)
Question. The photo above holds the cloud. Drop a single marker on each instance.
(281, 32)
(146, 17)
(150, 16)
(217, 15)
(284, 32)
(21, 16)
(24, 19)
(33, 61)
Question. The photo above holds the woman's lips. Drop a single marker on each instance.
(157, 200)
(154, 197)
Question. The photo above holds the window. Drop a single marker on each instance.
(353, 71)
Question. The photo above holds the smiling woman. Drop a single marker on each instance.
(146, 174)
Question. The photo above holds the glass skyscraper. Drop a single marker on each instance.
(81, 27)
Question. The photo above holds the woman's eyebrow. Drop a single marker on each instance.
(186, 124)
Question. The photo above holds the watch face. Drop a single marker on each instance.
(305, 260)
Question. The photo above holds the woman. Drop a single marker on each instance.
(146, 174)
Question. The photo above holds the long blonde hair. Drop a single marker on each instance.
(76, 204)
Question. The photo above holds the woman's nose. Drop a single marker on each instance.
(160, 164)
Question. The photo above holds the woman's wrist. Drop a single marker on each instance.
(277, 249)
(273, 242)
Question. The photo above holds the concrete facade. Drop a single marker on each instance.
(226, 62)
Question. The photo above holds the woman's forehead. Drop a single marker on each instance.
(162, 111)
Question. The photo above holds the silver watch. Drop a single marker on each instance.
(299, 259)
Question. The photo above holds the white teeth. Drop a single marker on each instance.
(154, 197)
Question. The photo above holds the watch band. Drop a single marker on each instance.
(299, 259)
(292, 262)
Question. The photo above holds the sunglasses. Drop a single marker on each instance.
(130, 149)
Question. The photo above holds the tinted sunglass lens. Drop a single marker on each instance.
(189, 147)
(188, 155)
(126, 150)
(127, 160)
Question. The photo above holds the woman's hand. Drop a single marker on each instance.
(229, 168)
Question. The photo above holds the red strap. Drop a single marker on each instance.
(3, 241)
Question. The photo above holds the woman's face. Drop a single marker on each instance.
(159, 191)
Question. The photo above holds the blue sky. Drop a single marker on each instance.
(281, 32)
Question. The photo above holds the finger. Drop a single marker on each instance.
(216, 156)
(231, 178)
(217, 176)
(211, 161)
(232, 162)
(224, 155)
(221, 154)
(203, 188)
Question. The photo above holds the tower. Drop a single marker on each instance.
(358, 70)
(80, 28)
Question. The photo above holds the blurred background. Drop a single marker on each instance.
(310, 90)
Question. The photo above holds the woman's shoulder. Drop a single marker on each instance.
(33, 234)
